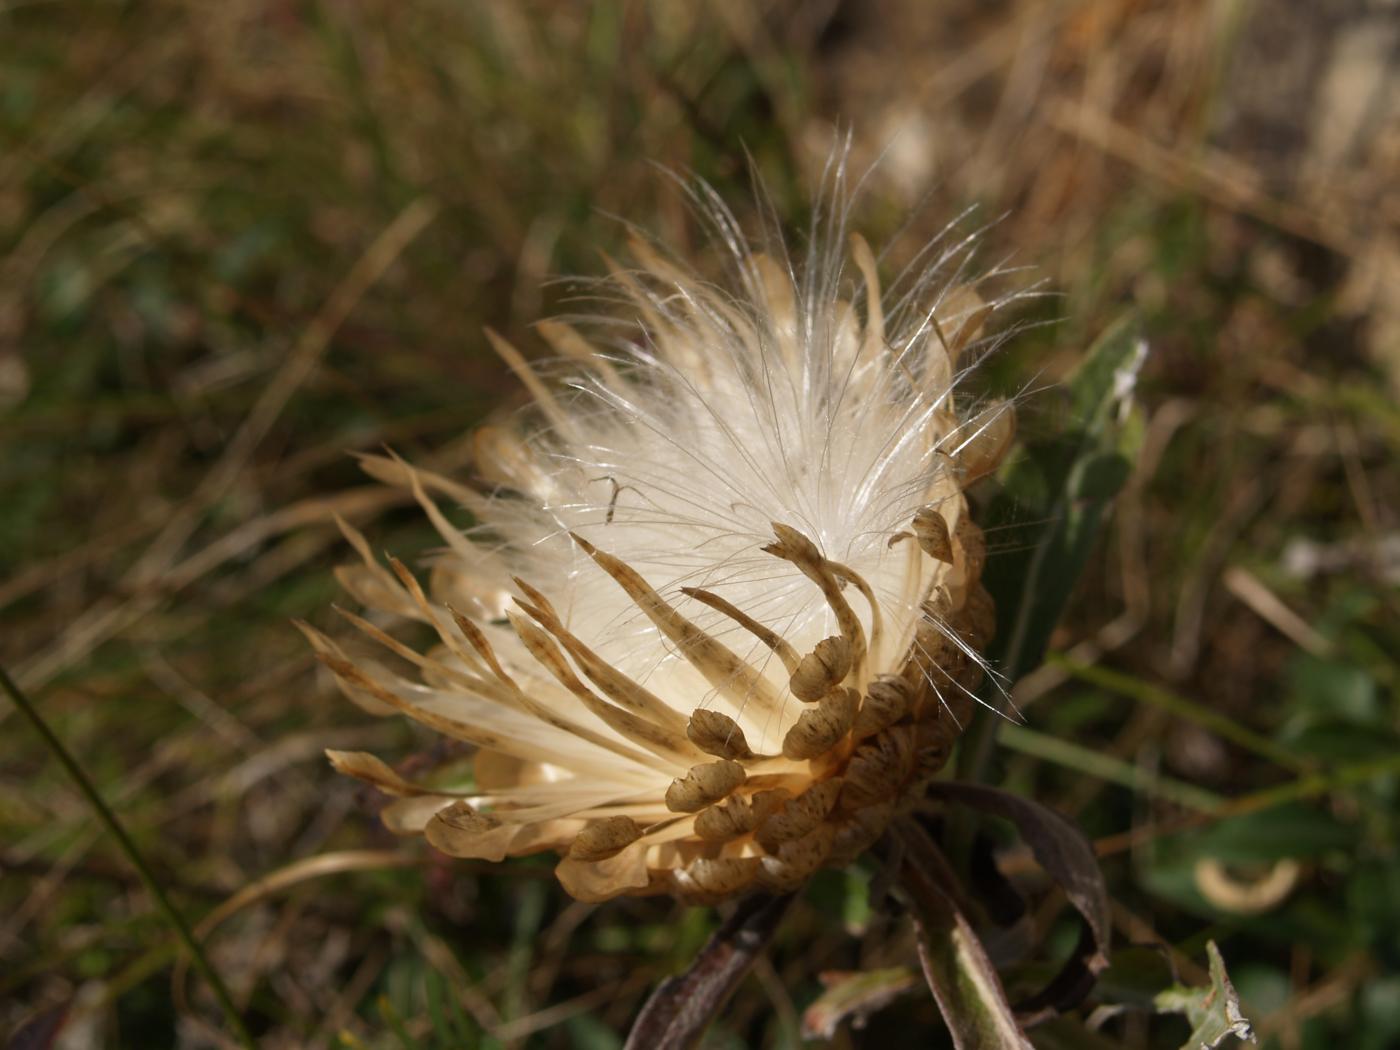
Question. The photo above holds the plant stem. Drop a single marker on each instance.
(682, 1007)
(109, 819)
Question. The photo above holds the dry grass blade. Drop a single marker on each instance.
(301, 871)
(107, 618)
(212, 296)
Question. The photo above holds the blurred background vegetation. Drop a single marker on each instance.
(242, 240)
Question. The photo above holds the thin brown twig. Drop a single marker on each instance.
(1207, 174)
(343, 1010)
(291, 875)
(550, 1016)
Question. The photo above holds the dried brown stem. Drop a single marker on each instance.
(682, 1007)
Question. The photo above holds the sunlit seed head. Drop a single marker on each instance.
(720, 613)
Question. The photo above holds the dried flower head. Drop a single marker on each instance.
(721, 613)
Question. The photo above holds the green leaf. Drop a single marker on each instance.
(1067, 857)
(963, 980)
(1334, 690)
(1047, 516)
(1380, 1008)
(1055, 498)
(1296, 831)
(969, 992)
(1214, 1011)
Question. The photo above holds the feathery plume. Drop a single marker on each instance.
(720, 616)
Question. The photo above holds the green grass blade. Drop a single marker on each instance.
(109, 820)
(1181, 707)
(1106, 767)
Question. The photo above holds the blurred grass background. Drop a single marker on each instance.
(239, 241)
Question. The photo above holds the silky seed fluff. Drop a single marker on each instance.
(720, 613)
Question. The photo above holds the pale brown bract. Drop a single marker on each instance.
(721, 615)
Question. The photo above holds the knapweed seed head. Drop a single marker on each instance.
(720, 614)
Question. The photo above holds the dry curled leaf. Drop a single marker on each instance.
(1214, 1011)
(853, 996)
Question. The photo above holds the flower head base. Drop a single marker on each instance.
(721, 613)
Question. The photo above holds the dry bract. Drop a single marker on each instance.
(684, 636)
